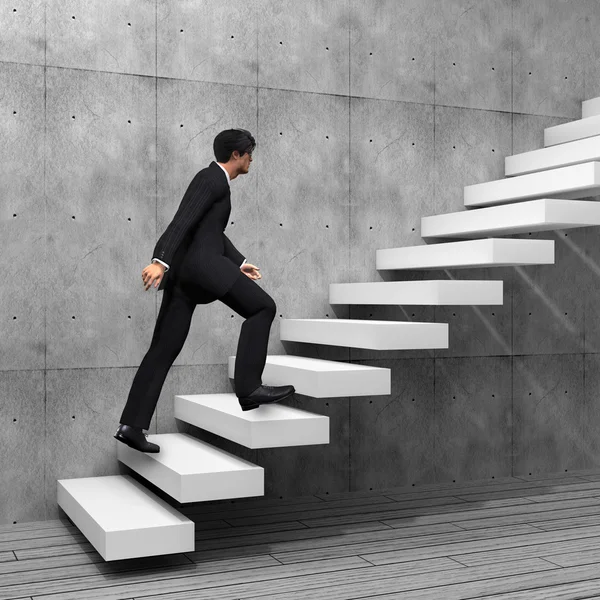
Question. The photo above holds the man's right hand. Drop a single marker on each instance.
(152, 272)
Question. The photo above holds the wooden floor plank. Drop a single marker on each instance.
(235, 532)
(317, 583)
(547, 550)
(533, 514)
(32, 575)
(344, 511)
(33, 534)
(18, 566)
(535, 583)
(565, 591)
(308, 539)
(419, 546)
(574, 559)
(376, 586)
(7, 556)
(451, 513)
(282, 512)
(138, 584)
(544, 493)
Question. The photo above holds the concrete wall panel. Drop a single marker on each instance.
(317, 469)
(22, 446)
(478, 330)
(303, 46)
(391, 161)
(547, 308)
(551, 49)
(549, 414)
(392, 50)
(589, 278)
(528, 131)
(101, 35)
(209, 41)
(22, 219)
(470, 146)
(100, 222)
(589, 440)
(472, 424)
(22, 26)
(392, 438)
(473, 53)
(301, 220)
(591, 20)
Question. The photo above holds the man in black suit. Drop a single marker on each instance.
(196, 263)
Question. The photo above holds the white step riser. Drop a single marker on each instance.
(371, 335)
(532, 215)
(123, 519)
(590, 108)
(323, 378)
(269, 426)
(190, 470)
(569, 132)
(572, 153)
(492, 252)
(577, 181)
(421, 293)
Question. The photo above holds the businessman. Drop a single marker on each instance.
(195, 263)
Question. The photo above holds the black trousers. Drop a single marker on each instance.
(179, 300)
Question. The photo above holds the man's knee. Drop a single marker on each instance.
(270, 306)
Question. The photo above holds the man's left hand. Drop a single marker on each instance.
(251, 271)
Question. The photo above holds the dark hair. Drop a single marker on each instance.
(232, 139)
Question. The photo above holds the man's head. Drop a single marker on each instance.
(233, 148)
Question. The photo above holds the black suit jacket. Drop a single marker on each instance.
(194, 245)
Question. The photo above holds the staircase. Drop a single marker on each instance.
(123, 519)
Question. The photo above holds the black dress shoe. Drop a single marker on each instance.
(265, 394)
(135, 438)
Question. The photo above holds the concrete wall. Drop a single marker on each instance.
(368, 116)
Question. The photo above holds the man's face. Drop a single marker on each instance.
(246, 159)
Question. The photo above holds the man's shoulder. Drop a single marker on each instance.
(206, 172)
(214, 176)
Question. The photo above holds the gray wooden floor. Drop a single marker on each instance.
(529, 538)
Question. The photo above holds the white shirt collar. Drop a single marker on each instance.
(226, 173)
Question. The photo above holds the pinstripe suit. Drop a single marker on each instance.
(202, 266)
(196, 235)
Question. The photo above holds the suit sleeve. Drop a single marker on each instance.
(232, 253)
(198, 198)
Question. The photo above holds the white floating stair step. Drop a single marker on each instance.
(562, 155)
(576, 181)
(123, 519)
(490, 252)
(320, 378)
(440, 292)
(590, 108)
(268, 426)
(574, 130)
(533, 215)
(191, 470)
(372, 335)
